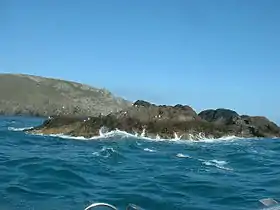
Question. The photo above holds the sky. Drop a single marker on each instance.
(206, 54)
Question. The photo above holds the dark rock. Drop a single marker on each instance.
(261, 126)
(149, 112)
(219, 116)
(142, 103)
(165, 121)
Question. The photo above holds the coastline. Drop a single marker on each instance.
(162, 121)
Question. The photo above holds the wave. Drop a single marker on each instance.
(180, 155)
(19, 129)
(124, 134)
(103, 134)
(105, 152)
(218, 164)
(149, 150)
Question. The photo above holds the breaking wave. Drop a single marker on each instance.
(218, 164)
(149, 150)
(105, 152)
(180, 155)
(18, 129)
(43, 171)
(211, 163)
(123, 134)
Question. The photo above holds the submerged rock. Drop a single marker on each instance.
(179, 121)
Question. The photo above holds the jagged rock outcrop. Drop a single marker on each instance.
(246, 125)
(260, 126)
(219, 116)
(146, 112)
(164, 122)
(38, 96)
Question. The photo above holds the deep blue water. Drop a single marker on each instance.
(47, 173)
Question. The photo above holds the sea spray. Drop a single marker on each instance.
(37, 169)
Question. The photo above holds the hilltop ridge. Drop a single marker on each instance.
(22, 94)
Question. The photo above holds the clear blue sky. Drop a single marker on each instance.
(207, 54)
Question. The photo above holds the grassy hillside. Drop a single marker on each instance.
(39, 96)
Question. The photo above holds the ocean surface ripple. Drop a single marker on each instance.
(54, 173)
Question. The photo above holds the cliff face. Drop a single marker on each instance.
(39, 96)
(164, 122)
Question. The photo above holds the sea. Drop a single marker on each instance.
(41, 172)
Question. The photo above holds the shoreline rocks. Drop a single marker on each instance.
(163, 121)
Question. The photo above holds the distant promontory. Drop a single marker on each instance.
(29, 95)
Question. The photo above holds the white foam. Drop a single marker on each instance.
(149, 150)
(176, 137)
(102, 131)
(139, 144)
(218, 164)
(102, 135)
(143, 133)
(180, 155)
(68, 137)
(105, 152)
(18, 129)
(221, 139)
(105, 134)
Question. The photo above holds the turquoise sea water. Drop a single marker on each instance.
(47, 173)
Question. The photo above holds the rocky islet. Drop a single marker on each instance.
(150, 120)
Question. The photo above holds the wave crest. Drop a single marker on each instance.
(105, 134)
(105, 152)
(218, 164)
(19, 129)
